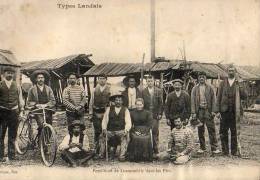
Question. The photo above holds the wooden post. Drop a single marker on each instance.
(88, 89)
(161, 79)
(95, 81)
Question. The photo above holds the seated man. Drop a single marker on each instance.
(180, 143)
(116, 123)
(75, 146)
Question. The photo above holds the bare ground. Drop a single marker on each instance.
(199, 166)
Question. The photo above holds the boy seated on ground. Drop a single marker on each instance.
(180, 143)
(75, 146)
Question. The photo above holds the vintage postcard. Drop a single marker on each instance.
(129, 89)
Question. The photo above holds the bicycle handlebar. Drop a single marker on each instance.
(35, 110)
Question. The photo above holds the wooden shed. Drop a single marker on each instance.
(59, 69)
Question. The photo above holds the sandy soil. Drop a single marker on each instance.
(203, 166)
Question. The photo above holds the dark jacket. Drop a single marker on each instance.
(210, 98)
(157, 101)
(178, 106)
(222, 97)
(125, 96)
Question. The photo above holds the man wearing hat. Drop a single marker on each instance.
(41, 95)
(131, 93)
(230, 93)
(153, 102)
(116, 123)
(177, 104)
(99, 101)
(203, 106)
(75, 145)
(74, 98)
(11, 103)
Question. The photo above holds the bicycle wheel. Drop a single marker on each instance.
(48, 145)
(23, 137)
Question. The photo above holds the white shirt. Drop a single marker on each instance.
(8, 83)
(75, 139)
(178, 93)
(40, 87)
(151, 91)
(231, 81)
(128, 123)
(131, 97)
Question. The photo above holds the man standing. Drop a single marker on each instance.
(180, 143)
(131, 93)
(74, 98)
(11, 103)
(230, 94)
(153, 102)
(75, 146)
(203, 106)
(99, 101)
(177, 104)
(116, 124)
(41, 95)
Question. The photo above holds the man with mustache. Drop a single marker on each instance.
(74, 98)
(203, 106)
(230, 93)
(11, 103)
(116, 123)
(177, 104)
(41, 95)
(153, 102)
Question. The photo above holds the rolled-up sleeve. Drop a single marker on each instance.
(65, 143)
(105, 119)
(128, 122)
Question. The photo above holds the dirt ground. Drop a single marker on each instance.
(200, 165)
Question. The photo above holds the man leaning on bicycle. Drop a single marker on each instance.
(41, 96)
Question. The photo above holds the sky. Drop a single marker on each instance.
(212, 30)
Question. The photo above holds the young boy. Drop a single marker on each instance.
(180, 143)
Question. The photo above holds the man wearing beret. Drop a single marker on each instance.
(203, 106)
(11, 103)
(177, 104)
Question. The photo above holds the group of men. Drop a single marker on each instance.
(110, 114)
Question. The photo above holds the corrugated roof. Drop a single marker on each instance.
(8, 58)
(246, 72)
(122, 69)
(53, 63)
(212, 70)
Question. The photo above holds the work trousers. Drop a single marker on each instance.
(8, 119)
(206, 119)
(114, 134)
(228, 122)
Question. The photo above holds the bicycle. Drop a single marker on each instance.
(46, 138)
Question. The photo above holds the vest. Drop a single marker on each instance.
(8, 97)
(101, 99)
(42, 95)
(81, 138)
(116, 122)
(231, 93)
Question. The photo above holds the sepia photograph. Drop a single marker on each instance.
(130, 89)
